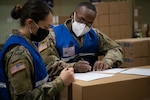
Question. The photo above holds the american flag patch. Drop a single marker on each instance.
(42, 47)
(17, 67)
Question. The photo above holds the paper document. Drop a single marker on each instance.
(113, 70)
(138, 71)
(91, 76)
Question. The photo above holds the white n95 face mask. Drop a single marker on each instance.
(79, 28)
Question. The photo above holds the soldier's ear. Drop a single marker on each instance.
(29, 21)
(72, 15)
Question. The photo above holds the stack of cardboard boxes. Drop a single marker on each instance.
(113, 19)
(102, 19)
(136, 51)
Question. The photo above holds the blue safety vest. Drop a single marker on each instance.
(40, 73)
(65, 40)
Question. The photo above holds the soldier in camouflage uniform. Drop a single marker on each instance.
(76, 44)
(25, 70)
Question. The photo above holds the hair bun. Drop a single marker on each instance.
(15, 13)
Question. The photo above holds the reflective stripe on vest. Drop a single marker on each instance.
(78, 55)
(2, 85)
(41, 81)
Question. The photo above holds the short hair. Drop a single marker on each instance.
(87, 5)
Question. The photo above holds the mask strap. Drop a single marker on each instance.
(74, 16)
(35, 24)
(30, 30)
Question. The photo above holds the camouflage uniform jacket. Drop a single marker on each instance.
(20, 80)
(110, 49)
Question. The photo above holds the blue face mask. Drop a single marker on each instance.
(40, 35)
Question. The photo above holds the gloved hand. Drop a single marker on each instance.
(100, 65)
(82, 66)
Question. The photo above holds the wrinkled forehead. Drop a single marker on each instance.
(86, 13)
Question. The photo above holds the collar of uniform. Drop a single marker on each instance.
(17, 32)
(66, 22)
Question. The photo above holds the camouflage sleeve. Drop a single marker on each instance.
(48, 51)
(110, 49)
(20, 71)
(55, 69)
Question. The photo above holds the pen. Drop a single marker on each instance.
(82, 59)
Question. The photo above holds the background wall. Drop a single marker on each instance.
(6, 22)
(61, 7)
(65, 7)
(145, 4)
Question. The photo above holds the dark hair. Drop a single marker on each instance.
(87, 5)
(34, 9)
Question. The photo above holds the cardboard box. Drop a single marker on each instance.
(138, 52)
(103, 20)
(124, 7)
(121, 43)
(136, 61)
(124, 18)
(118, 87)
(103, 8)
(147, 39)
(115, 32)
(96, 21)
(96, 6)
(136, 48)
(66, 94)
(114, 7)
(114, 19)
(125, 32)
(105, 30)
